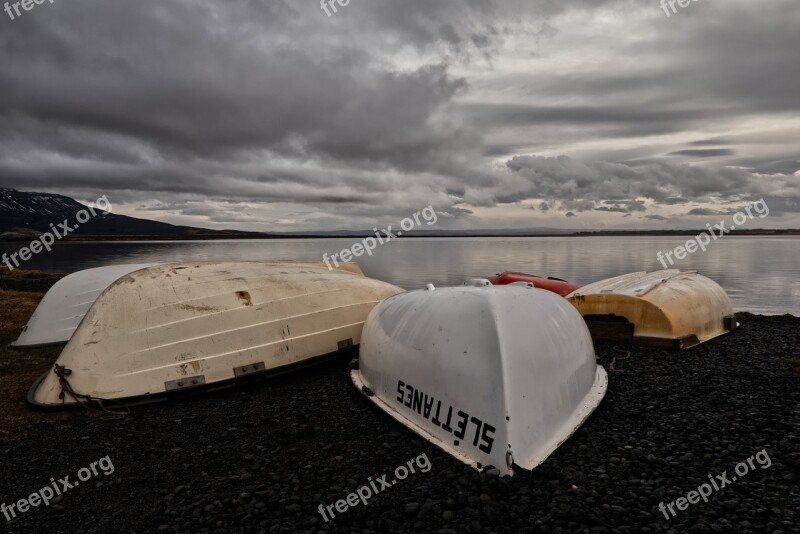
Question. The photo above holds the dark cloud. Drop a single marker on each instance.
(787, 166)
(565, 179)
(704, 212)
(612, 209)
(710, 142)
(622, 206)
(703, 152)
(510, 115)
(271, 113)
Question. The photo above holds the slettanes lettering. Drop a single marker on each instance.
(444, 416)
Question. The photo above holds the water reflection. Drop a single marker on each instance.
(761, 274)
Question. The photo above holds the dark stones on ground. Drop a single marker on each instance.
(263, 458)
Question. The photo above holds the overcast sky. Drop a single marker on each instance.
(271, 115)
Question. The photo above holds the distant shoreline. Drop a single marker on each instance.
(439, 235)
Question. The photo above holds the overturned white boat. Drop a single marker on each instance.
(493, 375)
(669, 308)
(176, 327)
(62, 309)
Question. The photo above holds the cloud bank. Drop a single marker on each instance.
(272, 116)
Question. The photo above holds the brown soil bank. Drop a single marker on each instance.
(20, 293)
(264, 457)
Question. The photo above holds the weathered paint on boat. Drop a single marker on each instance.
(556, 285)
(178, 326)
(64, 305)
(664, 308)
(493, 375)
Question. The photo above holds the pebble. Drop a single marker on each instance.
(667, 421)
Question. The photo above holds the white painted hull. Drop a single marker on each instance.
(666, 308)
(178, 326)
(493, 375)
(63, 307)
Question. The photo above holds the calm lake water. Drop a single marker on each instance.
(761, 274)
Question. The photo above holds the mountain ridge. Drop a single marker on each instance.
(31, 213)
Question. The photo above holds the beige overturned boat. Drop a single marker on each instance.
(664, 308)
(181, 326)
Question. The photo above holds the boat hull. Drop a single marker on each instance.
(176, 327)
(670, 309)
(555, 285)
(495, 375)
(63, 307)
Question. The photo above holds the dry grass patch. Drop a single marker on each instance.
(27, 280)
(20, 368)
(17, 307)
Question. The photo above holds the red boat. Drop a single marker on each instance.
(556, 285)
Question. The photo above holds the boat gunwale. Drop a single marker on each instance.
(580, 415)
(162, 396)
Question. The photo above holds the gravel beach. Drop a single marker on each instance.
(262, 458)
